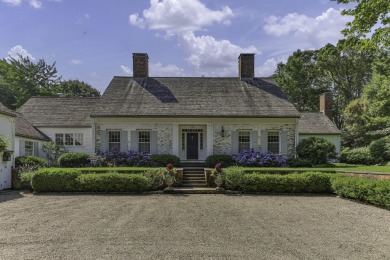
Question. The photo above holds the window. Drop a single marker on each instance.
(114, 139)
(28, 148)
(273, 142)
(244, 141)
(69, 139)
(144, 141)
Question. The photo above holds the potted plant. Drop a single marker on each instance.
(218, 175)
(169, 176)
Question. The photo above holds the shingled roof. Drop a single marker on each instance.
(316, 123)
(6, 111)
(23, 128)
(194, 97)
(59, 112)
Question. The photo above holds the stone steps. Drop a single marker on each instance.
(194, 177)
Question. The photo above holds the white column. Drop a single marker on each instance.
(210, 139)
(175, 139)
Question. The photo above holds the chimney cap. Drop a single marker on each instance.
(246, 54)
(140, 54)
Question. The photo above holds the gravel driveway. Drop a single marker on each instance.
(211, 226)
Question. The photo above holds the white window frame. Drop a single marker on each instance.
(268, 141)
(28, 151)
(144, 141)
(69, 139)
(240, 142)
(114, 139)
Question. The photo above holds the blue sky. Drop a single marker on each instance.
(92, 40)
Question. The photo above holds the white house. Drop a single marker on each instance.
(191, 117)
(7, 130)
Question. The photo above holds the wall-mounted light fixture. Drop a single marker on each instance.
(222, 132)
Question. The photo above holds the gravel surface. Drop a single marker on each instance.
(211, 226)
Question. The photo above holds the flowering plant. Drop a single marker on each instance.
(169, 171)
(217, 171)
(252, 158)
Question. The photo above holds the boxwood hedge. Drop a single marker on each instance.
(113, 182)
(46, 180)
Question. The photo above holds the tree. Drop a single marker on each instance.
(301, 80)
(350, 69)
(53, 152)
(26, 78)
(370, 17)
(76, 88)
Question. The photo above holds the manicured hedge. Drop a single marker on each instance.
(164, 159)
(113, 182)
(30, 161)
(316, 150)
(224, 159)
(46, 180)
(367, 190)
(74, 160)
(311, 182)
(357, 156)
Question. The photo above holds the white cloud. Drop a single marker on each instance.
(36, 4)
(18, 49)
(177, 16)
(317, 30)
(76, 61)
(126, 70)
(211, 56)
(12, 2)
(93, 75)
(158, 70)
(268, 68)
(87, 16)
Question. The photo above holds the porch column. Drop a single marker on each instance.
(210, 139)
(175, 139)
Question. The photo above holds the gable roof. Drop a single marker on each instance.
(194, 97)
(59, 111)
(6, 111)
(316, 123)
(23, 128)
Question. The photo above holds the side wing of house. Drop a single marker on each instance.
(7, 130)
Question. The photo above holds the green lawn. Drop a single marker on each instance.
(379, 169)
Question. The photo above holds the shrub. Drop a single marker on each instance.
(164, 159)
(224, 159)
(113, 182)
(30, 161)
(380, 149)
(55, 180)
(252, 158)
(233, 177)
(357, 156)
(96, 160)
(277, 183)
(299, 162)
(373, 191)
(130, 158)
(316, 150)
(74, 160)
(155, 178)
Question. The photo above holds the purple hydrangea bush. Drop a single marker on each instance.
(253, 158)
(115, 157)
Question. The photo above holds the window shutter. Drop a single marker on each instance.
(234, 142)
(103, 141)
(283, 141)
(254, 140)
(36, 149)
(264, 141)
(134, 141)
(153, 142)
(22, 148)
(124, 147)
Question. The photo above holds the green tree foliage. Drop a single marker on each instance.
(53, 151)
(302, 80)
(370, 17)
(77, 88)
(350, 70)
(316, 150)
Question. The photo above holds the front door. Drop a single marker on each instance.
(192, 146)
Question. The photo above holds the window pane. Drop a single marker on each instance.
(78, 139)
(68, 139)
(244, 139)
(114, 136)
(29, 147)
(243, 147)
(273, 142)
(144, 147)
(112, 145)
(60, 139)
(144, 137)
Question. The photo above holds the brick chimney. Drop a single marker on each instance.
(326, 104)
(246, 65)
(140, 65)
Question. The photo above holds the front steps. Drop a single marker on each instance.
(193, 174)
